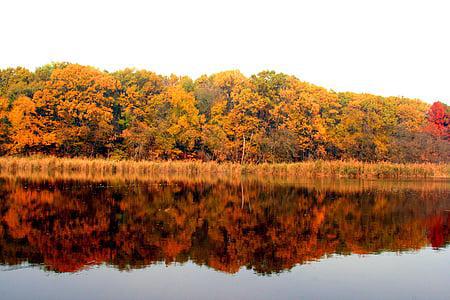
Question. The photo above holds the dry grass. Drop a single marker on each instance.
(92, 168)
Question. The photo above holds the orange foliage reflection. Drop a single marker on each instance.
(69, 225)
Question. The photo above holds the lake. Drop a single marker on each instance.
(212, 238)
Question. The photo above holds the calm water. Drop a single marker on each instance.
(213, 239)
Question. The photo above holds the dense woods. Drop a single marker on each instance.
(72, 110)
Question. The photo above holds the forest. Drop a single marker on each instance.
(71, 110)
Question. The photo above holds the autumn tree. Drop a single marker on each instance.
(27, 133)
(16, 82)
(134, 112)
(72, 110)
(367, 126)
(76, 106)
(219, 96)
(160, 117)
(438, 118)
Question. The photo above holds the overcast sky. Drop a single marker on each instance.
(384, 47)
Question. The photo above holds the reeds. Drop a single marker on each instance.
(92, 168)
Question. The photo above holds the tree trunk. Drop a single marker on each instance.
(243, 150)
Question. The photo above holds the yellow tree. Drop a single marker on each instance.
(248, 129)
(178, 122)
(217, 96)
(77, 107)
(135, 113)
(165, 124)
(367, 126)
(27, 133)
(217, 133)
(302, 114)
(16, 82)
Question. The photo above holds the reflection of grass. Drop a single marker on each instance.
(342, 185)
(95, 168)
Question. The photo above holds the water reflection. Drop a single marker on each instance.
(67, 225)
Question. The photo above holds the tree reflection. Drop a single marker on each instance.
(69, 225)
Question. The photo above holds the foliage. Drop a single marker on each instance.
(72, 110)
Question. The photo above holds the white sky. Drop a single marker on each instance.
(385, 47)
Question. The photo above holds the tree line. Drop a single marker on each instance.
(73, 110)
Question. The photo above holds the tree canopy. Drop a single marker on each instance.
(73, 110)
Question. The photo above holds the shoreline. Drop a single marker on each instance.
(55, 166)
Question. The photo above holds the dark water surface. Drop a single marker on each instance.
(215, 239)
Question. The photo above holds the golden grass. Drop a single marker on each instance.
(94, 168)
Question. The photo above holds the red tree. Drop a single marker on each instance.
(438, 120)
